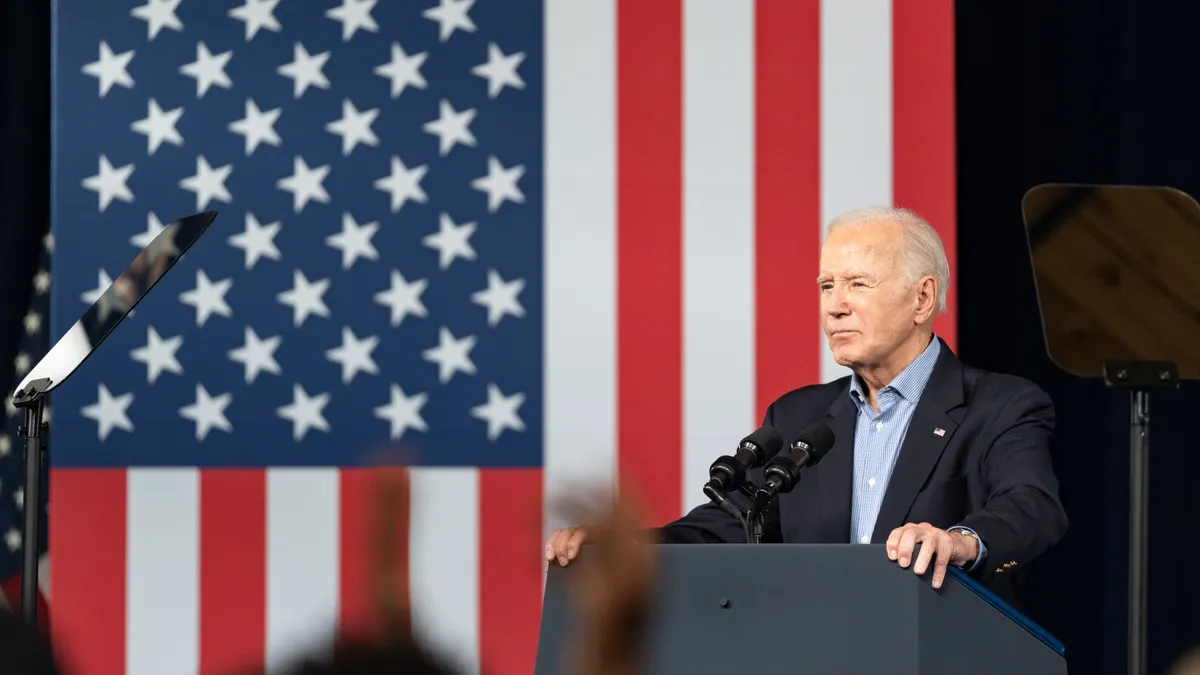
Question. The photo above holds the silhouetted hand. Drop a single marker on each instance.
(612, 589)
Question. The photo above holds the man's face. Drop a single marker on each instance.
(868, 308)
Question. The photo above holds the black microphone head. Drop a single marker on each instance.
(764, 442)
(819, 439)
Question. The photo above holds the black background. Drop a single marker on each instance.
(1101, 91)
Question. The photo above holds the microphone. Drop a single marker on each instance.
(783, 472)
(729, 473)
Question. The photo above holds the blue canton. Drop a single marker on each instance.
(374, 277)
(879, 435)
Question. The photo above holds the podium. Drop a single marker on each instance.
(812, 609)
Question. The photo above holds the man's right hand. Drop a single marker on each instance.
(563, 545)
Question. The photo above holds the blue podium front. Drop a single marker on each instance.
(814, 609)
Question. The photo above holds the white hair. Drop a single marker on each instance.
(922, 250)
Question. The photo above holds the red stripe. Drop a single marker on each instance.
(362, 507)
(649, 253)
(88, 540)
(355, 609)
(788, 195)
(923, 118)
(354, 534)
(233, 563)
(510, 569)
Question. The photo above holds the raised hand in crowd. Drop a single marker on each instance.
(612, 590)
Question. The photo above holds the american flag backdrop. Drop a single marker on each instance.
(537, 244)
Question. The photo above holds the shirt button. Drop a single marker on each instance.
(865, 539)
(871, 482)
(879, 425)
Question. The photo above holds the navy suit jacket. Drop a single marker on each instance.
(990, 471)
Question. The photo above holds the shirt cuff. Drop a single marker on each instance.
(982, 547)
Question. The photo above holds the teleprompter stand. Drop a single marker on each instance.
(68, 353)
(1118, 290)
(32, 398)
(1139, 378)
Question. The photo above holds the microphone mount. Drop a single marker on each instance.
(751, 519)
(781, 474)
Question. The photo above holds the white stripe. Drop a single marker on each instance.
(856, 117)
(162, 571)
(303, 545)
(580, 247)
(444, 563)
(718, 235)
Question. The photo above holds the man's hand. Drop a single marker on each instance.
(949, 549)
(563, 545)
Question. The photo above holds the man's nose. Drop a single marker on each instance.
(838, 309)
(836, 302)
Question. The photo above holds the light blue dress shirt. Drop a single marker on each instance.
(878, 437)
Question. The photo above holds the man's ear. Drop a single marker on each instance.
(925, 302)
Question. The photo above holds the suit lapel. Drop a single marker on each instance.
(922, 444)
(835, 473)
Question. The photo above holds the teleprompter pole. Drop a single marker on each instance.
(33, 400)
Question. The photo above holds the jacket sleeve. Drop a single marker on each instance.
(1022, 515)
(709, 524)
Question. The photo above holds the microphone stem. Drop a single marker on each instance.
(755, 533)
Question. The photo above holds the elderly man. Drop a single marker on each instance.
(928, 450)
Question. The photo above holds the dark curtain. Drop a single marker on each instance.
(24, 162)
(24, 221)
(1104, 91)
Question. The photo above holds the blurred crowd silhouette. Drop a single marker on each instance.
(612, 595)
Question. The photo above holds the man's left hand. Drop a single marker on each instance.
(938, 545)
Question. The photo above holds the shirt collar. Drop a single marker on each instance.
(912, 380)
